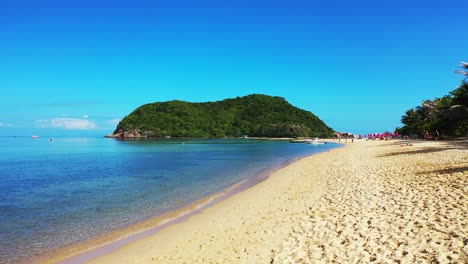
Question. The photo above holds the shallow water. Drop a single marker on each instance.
(55, 193)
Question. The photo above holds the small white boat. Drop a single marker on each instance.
(299, 140)
(34, 136)
(315, 141)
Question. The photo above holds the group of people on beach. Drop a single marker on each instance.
(373, 136)
(427, 135)
(380, 136)
(386, 136)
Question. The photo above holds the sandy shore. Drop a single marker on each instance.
(372, 201)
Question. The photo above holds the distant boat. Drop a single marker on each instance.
(34, 136)
(307, 140)
(299, 140)
(315, 141)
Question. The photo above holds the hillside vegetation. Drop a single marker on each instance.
(253, 115)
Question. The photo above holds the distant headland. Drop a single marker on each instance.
(254, 115)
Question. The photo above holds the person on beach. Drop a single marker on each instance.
(426, 135)
(436, 135)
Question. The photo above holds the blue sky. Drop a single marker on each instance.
(77, 67)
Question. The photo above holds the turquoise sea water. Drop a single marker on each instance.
(55, 193)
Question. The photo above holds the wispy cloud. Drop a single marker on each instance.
(69, 104)
(5, 125)
(66, 123)
(114, 122)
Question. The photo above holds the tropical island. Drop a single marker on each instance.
(254, 115)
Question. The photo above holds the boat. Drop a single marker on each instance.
(315, 141)
(34, 136)
(307, 141)
(302, 140)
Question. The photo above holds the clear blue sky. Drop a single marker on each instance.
(76, 68)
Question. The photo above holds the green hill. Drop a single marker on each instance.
(253, 115)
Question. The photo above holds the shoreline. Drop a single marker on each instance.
(106, 243)
(382, 201)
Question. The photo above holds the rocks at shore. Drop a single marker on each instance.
(132, 133)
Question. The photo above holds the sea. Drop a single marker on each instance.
(62, 191)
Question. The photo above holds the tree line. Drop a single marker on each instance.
(447, 115)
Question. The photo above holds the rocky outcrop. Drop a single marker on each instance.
(121, 133)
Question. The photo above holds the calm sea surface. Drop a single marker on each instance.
(54, 193)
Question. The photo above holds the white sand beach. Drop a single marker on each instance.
(371, 201)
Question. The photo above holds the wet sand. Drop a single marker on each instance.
(108, 242)
(372, 201)
(85, 251)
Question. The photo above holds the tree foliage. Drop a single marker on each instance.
(448, 115)
(254, 115)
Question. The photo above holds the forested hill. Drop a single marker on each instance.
(253, 115)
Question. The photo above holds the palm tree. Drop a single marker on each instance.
(413, 121)
(464, 66)
(448, 114)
